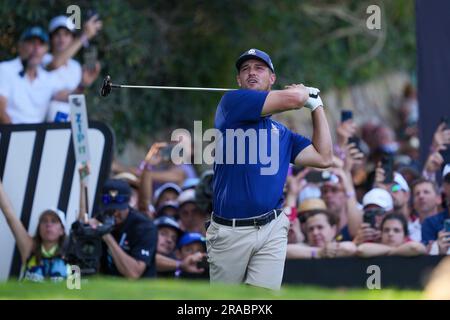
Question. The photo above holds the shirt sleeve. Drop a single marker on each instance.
(242, 106)
(299, 143)
(144, 244)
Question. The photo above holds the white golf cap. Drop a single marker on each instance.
(61, 22)
(398, 179)
(164, 187)
(186, 196)
(379, 197)
(62, 217)
(446, 170)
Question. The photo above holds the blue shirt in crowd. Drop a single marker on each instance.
(250, 188)
(431, 226)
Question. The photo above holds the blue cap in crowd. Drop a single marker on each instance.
(115, 194)
(255, 54)
(191, 237)
(34, 32)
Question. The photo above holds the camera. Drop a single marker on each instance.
(203, 264)
(84, 248)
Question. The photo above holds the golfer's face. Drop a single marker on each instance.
(255, 75)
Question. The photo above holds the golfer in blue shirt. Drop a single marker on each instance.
(247, 236)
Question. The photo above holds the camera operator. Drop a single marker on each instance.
(130, 248)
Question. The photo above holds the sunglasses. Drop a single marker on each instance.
(107, 199)
(396, 188)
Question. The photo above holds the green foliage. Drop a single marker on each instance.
(195, 43)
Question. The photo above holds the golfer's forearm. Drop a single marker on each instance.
(321, 138)
(283, 100)
(126, 265)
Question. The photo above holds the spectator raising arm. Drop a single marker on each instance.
(4, 117)
(152, 158)
(90, 30)
(23, 239)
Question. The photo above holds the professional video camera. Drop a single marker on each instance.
(85, 244)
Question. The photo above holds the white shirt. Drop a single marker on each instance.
(27, 101)
(415, 230)
(69, 76)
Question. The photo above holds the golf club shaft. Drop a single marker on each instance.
(170, 88)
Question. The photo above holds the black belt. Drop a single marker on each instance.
(255, 221)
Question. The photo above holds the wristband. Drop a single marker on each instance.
(313, 254)
(145, 166)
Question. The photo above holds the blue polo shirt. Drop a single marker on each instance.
(431, 226)
(249, 177)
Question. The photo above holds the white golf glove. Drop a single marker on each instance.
(314, 99)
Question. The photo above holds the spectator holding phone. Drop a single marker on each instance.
(321, 231)
(376, 203)
(193, 245)
(394, 240)
(436, 228)
(73, 79)
(169, 263)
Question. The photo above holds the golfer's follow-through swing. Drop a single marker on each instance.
(246, 238)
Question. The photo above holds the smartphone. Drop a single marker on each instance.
(356, 141)
(346, 115)
(203, 264)
(387, 163)
(447, 225)
(166, 153)
(370, 218)
(90, 57)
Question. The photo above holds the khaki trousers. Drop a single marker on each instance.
(251, 255)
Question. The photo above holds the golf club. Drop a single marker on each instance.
(108, 85)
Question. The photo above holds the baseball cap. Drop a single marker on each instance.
(164, 187)
(379, 197)
(129, 177)
(254, 54)
(400, 180)
(34, 32)
(61, 22)
(115, 194)
(191, 237)
(186, 196)
(60, 214)
(165, 221)
(190, 183)
(446, 170)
